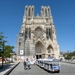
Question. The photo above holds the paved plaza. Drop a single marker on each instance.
(66, 69)
(6, 68)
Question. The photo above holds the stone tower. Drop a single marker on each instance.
(37, 36)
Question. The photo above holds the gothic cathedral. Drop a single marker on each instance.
(37, 36)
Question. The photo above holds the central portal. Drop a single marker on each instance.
(39, 50)
(38, 56)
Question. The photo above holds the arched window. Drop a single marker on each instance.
(47, 35)
(32, 12)
(45, 12)
(26, 33)
(51, 34)
(19, 43)
(48, 12)
(29, 12)
(42, 11)
(29, 33)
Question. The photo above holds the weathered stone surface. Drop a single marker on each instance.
(38, 32)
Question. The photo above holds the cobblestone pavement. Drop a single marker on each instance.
(66, 69)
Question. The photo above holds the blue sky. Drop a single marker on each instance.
(63, 12)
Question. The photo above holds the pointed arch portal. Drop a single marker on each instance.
(39, 50)
(50, 50)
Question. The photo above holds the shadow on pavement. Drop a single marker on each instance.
(5, 67)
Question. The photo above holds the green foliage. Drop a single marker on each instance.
(8, 50)
(5, 50)
(1, 43)
(1, 36)
(69, 55)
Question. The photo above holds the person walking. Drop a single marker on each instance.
(25, 65)
(28, 64)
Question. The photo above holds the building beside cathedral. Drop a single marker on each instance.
(37, 36)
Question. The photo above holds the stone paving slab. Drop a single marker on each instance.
(6, 68)
(66, 69)
(35, 70)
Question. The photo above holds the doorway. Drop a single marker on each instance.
(38, 56)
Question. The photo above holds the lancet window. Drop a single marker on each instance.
(19, 43)
(28, 33)
(45, 12)
(48, 33)
(29, 12)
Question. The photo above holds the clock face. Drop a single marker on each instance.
(38, 32)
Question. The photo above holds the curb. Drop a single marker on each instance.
(8, 72)
(68, 62)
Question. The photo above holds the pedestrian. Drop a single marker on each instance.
(29, 64)
(25, 65)
(35, 63)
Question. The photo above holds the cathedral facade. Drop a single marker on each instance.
(37, 36)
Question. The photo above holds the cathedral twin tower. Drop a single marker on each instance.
(45, 11)
(37, 37)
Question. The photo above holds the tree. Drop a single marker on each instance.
(5, 50)
(2, 41)
(69, 55)
(8, 49)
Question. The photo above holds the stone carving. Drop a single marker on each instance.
(39, 35)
